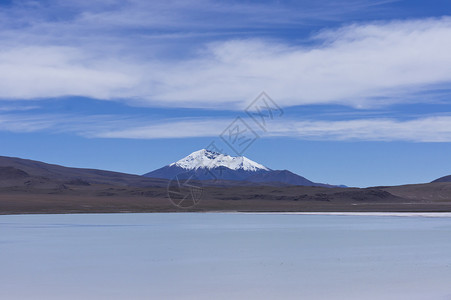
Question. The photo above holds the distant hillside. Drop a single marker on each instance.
(443, 179)
(284, 177)
(17, 170)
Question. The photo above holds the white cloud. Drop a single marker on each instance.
(357, 65)
(106, 53)
(39, 72)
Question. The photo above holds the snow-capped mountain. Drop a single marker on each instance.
(213, 166)
(210, 160)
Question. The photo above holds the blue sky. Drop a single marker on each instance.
(365, 86)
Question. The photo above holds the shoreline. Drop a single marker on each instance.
(369, 214)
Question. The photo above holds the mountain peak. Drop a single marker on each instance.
(226, 168)
(206, 159)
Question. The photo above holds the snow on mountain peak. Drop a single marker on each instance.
(207, 159)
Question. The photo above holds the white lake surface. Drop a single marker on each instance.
(225, 256)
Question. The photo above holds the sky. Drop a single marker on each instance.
(350, 92)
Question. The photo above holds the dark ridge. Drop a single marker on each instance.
(443, 179)
(222, 176)
(7, 173)
(78, 181)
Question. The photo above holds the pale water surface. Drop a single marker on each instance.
(224, 256)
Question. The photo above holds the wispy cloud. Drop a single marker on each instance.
(429, 129)
(180, 15)
(25, 123)
(11, 108)
(424, 129)
(168, 129)
(112, 126)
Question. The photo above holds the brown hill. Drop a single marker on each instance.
(17, 168)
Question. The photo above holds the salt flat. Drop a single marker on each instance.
(380, 214)
(225, 256)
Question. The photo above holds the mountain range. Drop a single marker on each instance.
(28, 186)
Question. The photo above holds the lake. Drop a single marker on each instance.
(225, 256)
